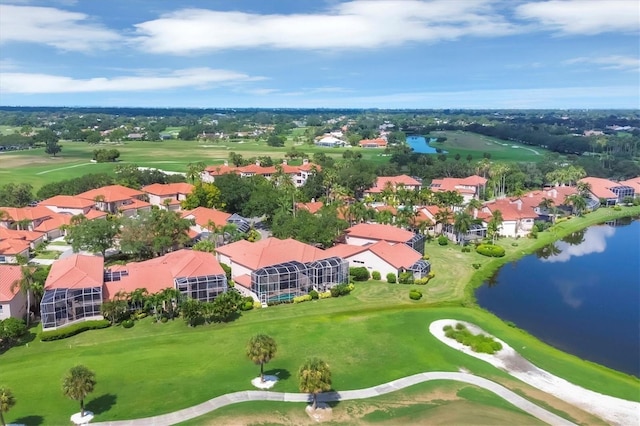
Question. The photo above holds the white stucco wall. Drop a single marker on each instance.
(14, 308)
(69, 210)
(372, 262)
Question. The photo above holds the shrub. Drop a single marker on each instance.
(127, 323)
(313, 294)
(431, 274)
(515, 244)
(490, 250)
(164, 320)
(341, 290)
(300, 299)
(247, 305)
(617, 208)
(425, 257)
(391, 278)
(375, 275)
(421, 281)
(11, 330)
(405, 278)
(257, 305)
(325, 295)
(442, 240)
(359, 273)
(477, 342)
(466, 249)
(415, 294)
(534, 232)
(73, 329)
(476, 265)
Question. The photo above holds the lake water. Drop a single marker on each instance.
(419, 144)
(580, 295)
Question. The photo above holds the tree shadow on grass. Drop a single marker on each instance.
(29, 421)
(101, 404)
(280, 373)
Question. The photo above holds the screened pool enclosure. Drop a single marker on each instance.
(284, 281)
(63, 306)
(204, 289)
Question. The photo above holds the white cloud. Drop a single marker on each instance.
(54, 27)
(32, 83)
(613, 62)
(350, 25)
(584, 16)
(595, 241)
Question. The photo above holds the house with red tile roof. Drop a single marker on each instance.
(609, 191)
(117, 199)
(196, 274)
(68, 204)
(373, 143)
(168, 194)
(77, 285)
(633, 183)
(469, 187)
(53, 227)
(393, 182)
(11, 248)
(12, 300)
(272, 269)
(370, 233)
(518, 218)
(73, 291)
(312, 207)
(383, 257)
(299, 174)
(24, 218)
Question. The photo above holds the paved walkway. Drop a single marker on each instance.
(245, 396)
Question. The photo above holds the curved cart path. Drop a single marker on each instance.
(244, 396)
(616, 411)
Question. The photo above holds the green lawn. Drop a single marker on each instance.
(48, 254)
(464, 143)
(437, 402)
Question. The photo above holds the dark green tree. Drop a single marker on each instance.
(261, 349)
(78, 383)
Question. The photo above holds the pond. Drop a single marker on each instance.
(420, 145)
(580, 295)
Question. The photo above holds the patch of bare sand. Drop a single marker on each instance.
(616, 411)
(322, 413)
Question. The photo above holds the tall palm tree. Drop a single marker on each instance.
(78, 383)
(442, 217)
(494, 224)
(462, 223)
(577, 202)
(473, 206)
(194, 170)
(584, 188)
(261, 349)
(25, 285)
(7, 400)
(315, 377)
(548, 205)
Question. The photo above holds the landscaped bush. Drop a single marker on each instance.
(73, 329)
(442, 240)
(246, 305)
(490, 250)
(127, 323)
(313, 294)
(476, 265)
(421, 281)
(534, 232)
(617, 208)
(257, 305)
(425, 257)
(431, 274)
(391, 278)
(415, 294)
(164, 320)
(375, 275)
(300, 299)
(325, 295)
(405, 278)
(477, 342)
(359, 273)
(341, 290)
(466, 249)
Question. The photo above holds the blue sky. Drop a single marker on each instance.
(321, 53)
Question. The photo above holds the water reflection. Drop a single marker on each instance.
(575, 238)
(594, 241)
(570, 288)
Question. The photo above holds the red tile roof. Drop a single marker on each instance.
(158, 274)
(27, 213)
(134, 203)
(374, 231)
(11, 247)
(243, 280)
(8, 275)
(312, 207)
(383, 181)
(633, 183)
(270, 251)
(167, 189)
(55, 222)
(510, 210)
(260, 170)
(12, 234)
(94, 214)
(370, 142)
(601, 188)
(111, 193)
(202, 216)
(68, 201)
(345, 250)
(76, 271)
(466, 185)
(398, 256)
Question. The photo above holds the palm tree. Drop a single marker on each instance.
(261, 349)
(462, 223)
(548, 205)
(25, 285)
(7, 400)
(384, 217)
(473, 206)
(442, 217)
(194, 170)
(78, 383)
(577, 203)
(315, 377)
(494, 224)
(584, 188)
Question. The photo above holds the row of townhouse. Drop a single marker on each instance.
(469, 187)
(298, 174)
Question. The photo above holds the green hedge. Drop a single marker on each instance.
(359, 273)
(490, 250)
(72, 330)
